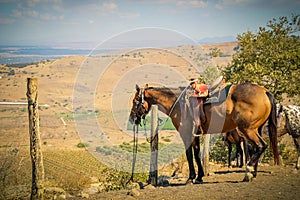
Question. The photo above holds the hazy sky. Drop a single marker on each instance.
(47, 22)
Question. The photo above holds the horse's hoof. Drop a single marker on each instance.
(248, 178)
(198, 181)
(189, 181)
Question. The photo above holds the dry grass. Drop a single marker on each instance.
(67, 166)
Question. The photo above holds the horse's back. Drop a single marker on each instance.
(248, 92)
(292, 113)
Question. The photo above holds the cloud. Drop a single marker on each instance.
(57, 8)
(32, 3)
(189, 3)
(48, 17)
(129, 15)
(43, 16)
(6, 21)
(32, 13)
(221, 4)
(16, 13)
(218, 6)
(109, 6)
(236, 1)
(193, 3)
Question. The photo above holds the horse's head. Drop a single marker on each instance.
(140, 107)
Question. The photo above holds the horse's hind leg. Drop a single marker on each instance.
(239, 155)
(198, 161)
(259, 145)
(229, 154)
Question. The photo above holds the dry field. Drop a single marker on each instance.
(77, 94)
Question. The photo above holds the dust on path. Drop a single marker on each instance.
(272, 182)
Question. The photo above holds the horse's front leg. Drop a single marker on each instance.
(189, 156)
(196, 146)
(185, 132)
(297, 144)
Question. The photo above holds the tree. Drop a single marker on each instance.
(270, 58)
(210, 74)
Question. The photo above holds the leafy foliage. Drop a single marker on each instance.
(219, 151)
(271, 57)
(211, 74)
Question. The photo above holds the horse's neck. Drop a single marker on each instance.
(160, 98)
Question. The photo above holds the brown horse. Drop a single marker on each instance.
(288, 122)
(247, 107)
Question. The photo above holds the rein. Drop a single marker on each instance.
(134, 151)
(169, 114)
(135, 129)
(178, 98)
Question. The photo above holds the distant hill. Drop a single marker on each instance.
(213, 40)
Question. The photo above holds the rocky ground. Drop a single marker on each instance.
(272, 182)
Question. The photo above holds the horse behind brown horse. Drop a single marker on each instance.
(288, 118)
(241, 154)
(247, 107)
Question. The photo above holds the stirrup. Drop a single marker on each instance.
(197, 130)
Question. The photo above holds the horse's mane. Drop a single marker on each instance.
(171, 92)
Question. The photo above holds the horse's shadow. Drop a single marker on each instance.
(238, 171)
(165, 181)
(229, 171)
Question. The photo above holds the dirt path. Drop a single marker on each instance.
(272, 182)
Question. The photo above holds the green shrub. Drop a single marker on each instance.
(219, 151)
(82, 145)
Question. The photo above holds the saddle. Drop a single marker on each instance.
(218, 94)
(215, 95)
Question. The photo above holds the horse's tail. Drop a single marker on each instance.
(272, 126)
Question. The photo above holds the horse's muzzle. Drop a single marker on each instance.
(134, 120)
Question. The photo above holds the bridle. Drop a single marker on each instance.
(140, 110)
(139, 113)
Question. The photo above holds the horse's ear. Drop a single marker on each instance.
(137, 87)
(146, 86)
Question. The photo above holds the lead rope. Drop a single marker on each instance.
(134, 151)
(147, 138)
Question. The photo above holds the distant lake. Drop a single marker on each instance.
(29, 54)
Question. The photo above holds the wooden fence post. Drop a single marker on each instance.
(154, 146)
(206, 154)
(37, 189)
